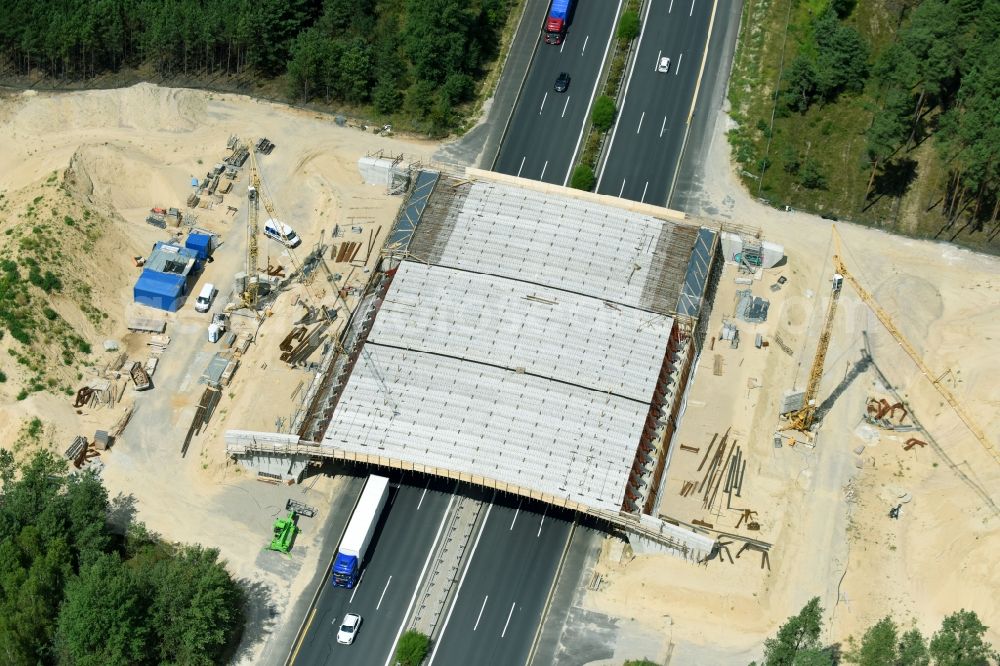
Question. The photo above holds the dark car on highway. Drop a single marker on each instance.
(562, 82)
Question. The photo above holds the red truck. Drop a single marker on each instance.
(555, 22)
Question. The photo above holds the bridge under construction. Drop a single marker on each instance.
(521, 337)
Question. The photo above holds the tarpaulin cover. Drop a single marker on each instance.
(163, 291)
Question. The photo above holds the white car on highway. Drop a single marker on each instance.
(348, 629)
(664, 65)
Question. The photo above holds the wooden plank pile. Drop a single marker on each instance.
(99, 393)
(348, 251)
(119, 426)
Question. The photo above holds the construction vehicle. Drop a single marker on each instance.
(285, 530)
(358, 535)
(802, 419)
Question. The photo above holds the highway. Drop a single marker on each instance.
(545, 131)
(502, 593)
(648, 138)
(411, 522)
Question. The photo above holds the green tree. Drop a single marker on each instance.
(179, 605)
(913, 650)
(412, 648)
(386, 97)
(879, 645)
(419, 99)
(811, 176)
(800, 87)
(103, 621)
(309, 52)
(583, 178)
(800, 634)
(356, 72)
(959, 642)
(628, 26)
(887, 132)
(842, 57)
(196, 607)
(435, 37)
(603, 113)
(842, 8)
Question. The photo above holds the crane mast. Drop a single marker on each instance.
(250, 290)
(802, 419)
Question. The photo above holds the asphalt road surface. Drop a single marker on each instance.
(498, 606)
(546, 128)
(648, 138)
(397, 557)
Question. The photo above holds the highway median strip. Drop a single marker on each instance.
(604, 109)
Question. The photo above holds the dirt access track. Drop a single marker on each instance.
(139, 147)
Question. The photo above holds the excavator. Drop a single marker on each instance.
(803, 419)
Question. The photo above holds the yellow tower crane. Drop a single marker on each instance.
(803, 418)
(253, 209)
(256, 196)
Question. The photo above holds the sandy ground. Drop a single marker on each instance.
(135, 148)
(124, 151)
(825, 507)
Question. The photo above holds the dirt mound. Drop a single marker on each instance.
(123, 177)
(144, 107)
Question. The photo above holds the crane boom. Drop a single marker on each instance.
(934, 379)
(803, 418)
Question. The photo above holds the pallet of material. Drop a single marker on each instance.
(242, 342)
(157, 221)
(146, 324)
(192, 201)
(225, 187)
(227, 374)
(158, 341)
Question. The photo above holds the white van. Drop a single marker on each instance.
(205, 296)
(281, 232)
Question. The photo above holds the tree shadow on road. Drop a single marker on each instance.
(261, 621)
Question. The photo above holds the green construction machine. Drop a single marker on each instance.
(285, 530)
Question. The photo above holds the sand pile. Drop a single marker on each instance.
(143, 107)
(125, 177)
